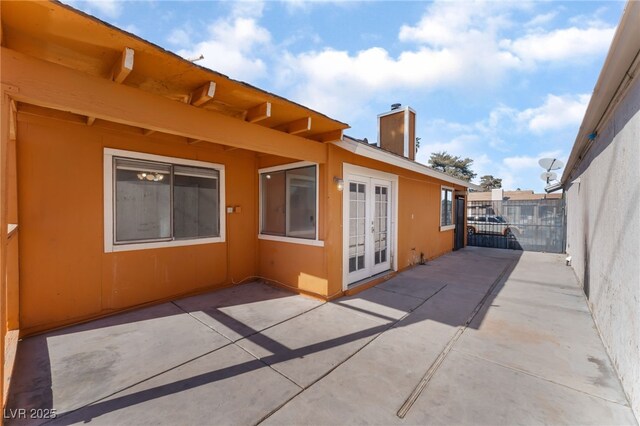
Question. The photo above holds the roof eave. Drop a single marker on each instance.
(622, 58)
(396, 160)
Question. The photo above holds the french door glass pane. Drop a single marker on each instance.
(380, 224)
(357, 226)
(143, 200)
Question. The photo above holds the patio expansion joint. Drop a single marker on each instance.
(528, 373)
(235, 343)
(435, 366)
(389, 327)
(200, 321)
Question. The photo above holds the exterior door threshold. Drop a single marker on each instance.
(365, 283)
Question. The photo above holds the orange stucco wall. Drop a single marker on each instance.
(418, 215)
(65, 276)
(299, 266)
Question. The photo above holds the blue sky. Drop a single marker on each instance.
(502, 82)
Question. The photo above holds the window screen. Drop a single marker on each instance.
(195, 202)
(159, 202)
(142, 200)
(446, 208)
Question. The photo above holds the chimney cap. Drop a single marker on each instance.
(395, 106)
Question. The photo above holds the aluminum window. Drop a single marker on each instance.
(289, 202)
(153, 201)
(446, 206)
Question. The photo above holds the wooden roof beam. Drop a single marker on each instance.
(203, 94)
(332, 136)
(90, 120)
(258, 112)
(123, 66)
(295, 127)
(50, 85)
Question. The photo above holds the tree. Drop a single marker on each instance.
(452, 165)
(488, 182)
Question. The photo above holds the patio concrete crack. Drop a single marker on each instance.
(389, 326)
(528, 373)
(433, 368)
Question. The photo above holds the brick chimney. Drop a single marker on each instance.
(397, 131)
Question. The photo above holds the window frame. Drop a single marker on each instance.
(287, 239)
(109, 205)
(452, 225)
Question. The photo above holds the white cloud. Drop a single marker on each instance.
(520, 162)
(231, 47)
(557, 112)
(179, 37)
(490, 140)
(565, 44)
(247, 8)
(109, 8)
(456, 45)
(542, 19)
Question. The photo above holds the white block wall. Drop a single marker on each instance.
(603, 236)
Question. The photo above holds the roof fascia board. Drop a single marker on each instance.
(385, 157)
(625, 47)
(54, 86)
(59, 10)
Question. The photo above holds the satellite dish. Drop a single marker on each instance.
(548, 176)
(550, 164)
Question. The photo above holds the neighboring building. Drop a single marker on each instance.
(131, 176)
(602, 189)
(535, 222)
(522, 206)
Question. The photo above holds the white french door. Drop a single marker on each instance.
(367, 213)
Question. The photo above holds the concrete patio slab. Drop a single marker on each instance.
(471, 391)
(368, 389)
(380, 305)
(559, 345)
(240, 311)
(412, 286)
(226, 387)
(307, 347)
(547, 333)
(530, 356)
(75, 366)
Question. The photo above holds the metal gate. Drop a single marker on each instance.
(532, 225)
